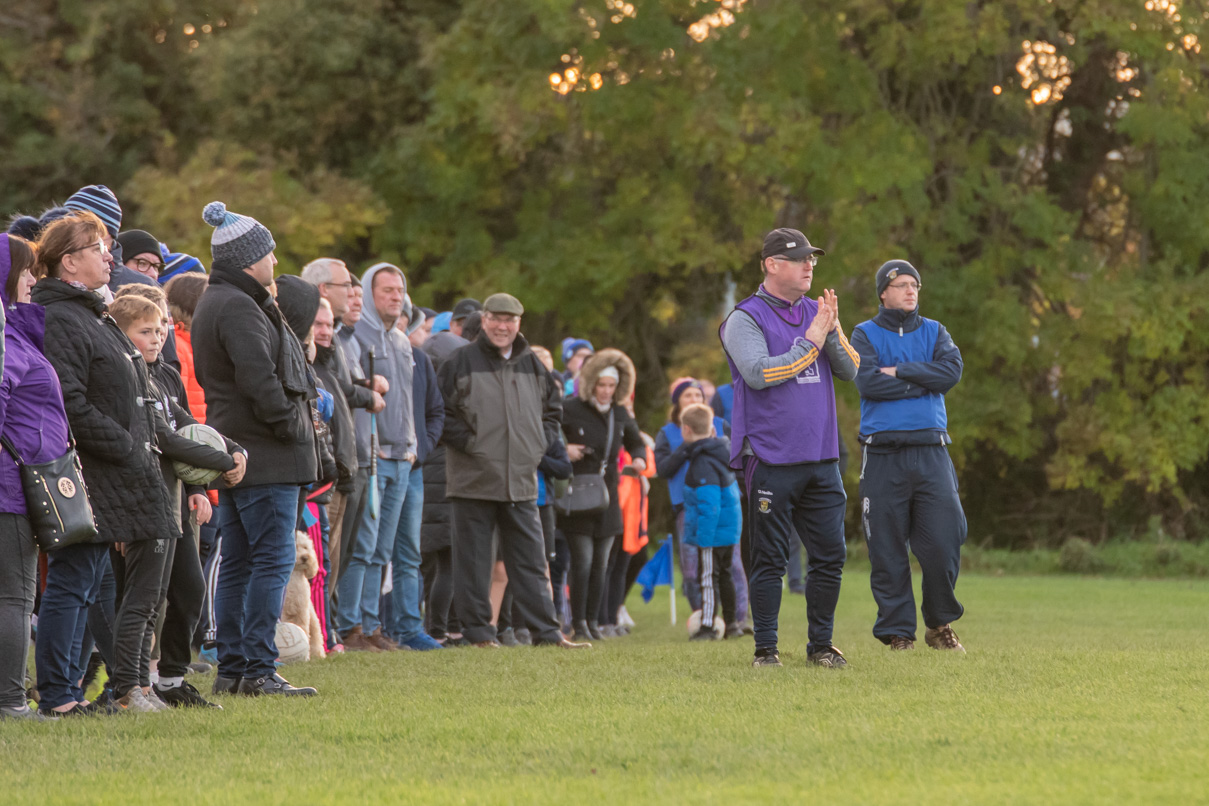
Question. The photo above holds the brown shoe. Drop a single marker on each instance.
(355, 641)
(943, 637)
(382, 641)
(900, 644)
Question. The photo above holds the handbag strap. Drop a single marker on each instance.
(604, 463)
(8, 446)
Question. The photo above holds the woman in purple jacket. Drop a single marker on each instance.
(33, 420)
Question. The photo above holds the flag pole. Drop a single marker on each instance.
(671, 590)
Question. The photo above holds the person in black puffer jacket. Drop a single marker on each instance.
(105, 391)
(606, 378)
(145, 323)
(436, 564)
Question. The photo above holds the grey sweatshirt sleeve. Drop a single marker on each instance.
(744, 342)
(844, 360)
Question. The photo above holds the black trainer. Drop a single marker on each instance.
(704, 634)
(275, 684)
(734, 630)
(75, 710)
(767, 657)
(225, 685)
(830, 657)
(185, 696)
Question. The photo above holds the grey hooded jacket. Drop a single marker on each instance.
(392, 360)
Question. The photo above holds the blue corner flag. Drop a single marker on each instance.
(657, 571)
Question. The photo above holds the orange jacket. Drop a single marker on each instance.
(184, 352)
(632, 498)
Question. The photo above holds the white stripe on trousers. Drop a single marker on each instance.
(705, 562)
(211, 633)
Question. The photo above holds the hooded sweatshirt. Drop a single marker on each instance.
(392, 360)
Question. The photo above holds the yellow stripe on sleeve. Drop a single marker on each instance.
(782, 373)
(856, 358)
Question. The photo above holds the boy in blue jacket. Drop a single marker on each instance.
(713, 517)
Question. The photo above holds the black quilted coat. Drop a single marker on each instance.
(435, 528)
(105, 392)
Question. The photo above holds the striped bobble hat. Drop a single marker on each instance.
(178, 263)
(100, 201)
(239, 241)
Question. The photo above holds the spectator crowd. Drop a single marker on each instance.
(280, 467)
(423, 455)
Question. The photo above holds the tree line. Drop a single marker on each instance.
(1044, 164)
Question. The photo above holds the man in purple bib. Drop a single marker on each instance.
(784, 350)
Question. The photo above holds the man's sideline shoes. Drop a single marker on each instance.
(829, 657)
(767, 657)
(943, 637)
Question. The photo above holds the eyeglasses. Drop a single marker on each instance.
(813, 260)
(347, 286)
(505, 318)
(99, 245)
(143, 264)
(912, 286)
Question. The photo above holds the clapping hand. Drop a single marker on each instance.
(826, 320)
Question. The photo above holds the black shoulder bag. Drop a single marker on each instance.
(59, 510)
(588, 494)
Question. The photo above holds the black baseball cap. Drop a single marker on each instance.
(790, 243)
(465, 307)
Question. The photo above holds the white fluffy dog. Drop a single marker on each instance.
(297, 607)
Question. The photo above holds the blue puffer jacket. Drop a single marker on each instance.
(671, 458)
(713, 515)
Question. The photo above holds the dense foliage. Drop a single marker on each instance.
(1045, 165)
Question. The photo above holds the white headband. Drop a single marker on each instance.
(610, 372)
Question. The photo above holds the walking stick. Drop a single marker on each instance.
(373, 448)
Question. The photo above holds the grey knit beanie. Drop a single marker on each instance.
(239, 241)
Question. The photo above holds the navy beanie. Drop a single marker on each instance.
(891, 269)
(571, 345)
(682, 387)
(100, 201)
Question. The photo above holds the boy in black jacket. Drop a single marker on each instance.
(180, 579)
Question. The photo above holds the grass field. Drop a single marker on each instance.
(1074, 690)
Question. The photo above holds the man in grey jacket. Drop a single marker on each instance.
(502, 410)
(360, 586)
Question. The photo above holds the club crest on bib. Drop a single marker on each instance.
(810, 374)
(765, 505)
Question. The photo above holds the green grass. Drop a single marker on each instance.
(1075, 690)
(1150, 559)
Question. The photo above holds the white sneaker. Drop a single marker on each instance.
(156, 701)
(136, 702)
(623, 618)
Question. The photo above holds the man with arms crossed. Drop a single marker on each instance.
(908, 485)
